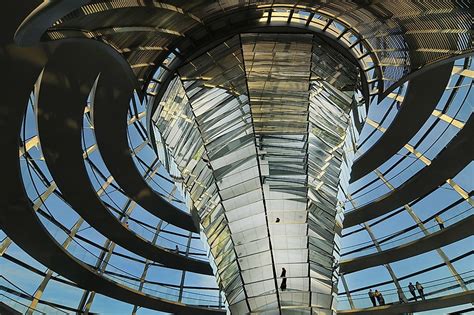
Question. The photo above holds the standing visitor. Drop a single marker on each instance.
(411, 287)
(372, 297)
(379, 297)
(440, 222)
(420, 288)
(283, 282)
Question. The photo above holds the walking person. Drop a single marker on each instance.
(379, 297)
(420, 288)
(283, 282)
(440, 222)
(411, 287)
(176, 250)
(372, 297)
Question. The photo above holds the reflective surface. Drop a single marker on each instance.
(257, 127)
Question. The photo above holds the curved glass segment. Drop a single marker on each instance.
(232, 157)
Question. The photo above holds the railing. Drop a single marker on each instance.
(16, 305)
(366, 248)
(432, 289)
(11, 294)
(123, 277)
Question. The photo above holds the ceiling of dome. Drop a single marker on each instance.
(394, 38)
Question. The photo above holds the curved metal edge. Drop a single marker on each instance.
(110, 126)
(423, 94)
(450, 234)
(42, 17)
(203, 34)
(449, 162)
(37, 22)
(20, 68)
(422, 70)
(62, 98)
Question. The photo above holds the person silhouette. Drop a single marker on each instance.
(283, 282)
(420, 288)
(440, 222)
(372, 297)
(411, 288)
(379, 297)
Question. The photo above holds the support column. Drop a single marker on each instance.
(183, 275)
(348, 293)
(147, 265)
